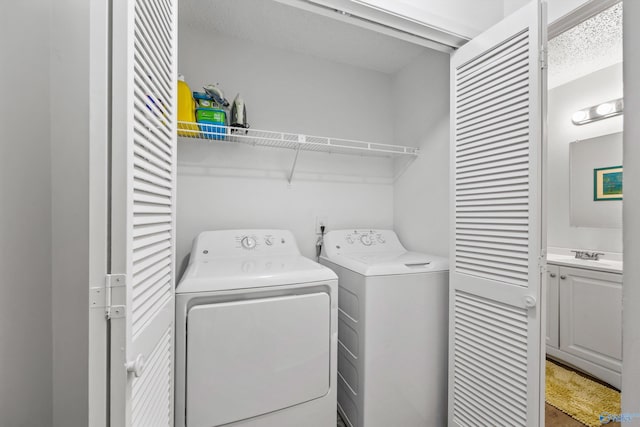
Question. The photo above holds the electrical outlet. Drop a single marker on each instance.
(322, 220)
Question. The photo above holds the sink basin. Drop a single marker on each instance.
(570, 261)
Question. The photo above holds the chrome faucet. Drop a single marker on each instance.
(592, 256)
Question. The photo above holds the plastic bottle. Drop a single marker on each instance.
(186, 110)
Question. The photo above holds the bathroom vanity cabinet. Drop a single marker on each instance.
(584, 320)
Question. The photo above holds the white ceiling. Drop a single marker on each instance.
(289, 28)
(467, 18)
(588, 47)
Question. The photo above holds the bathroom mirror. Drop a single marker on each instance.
(595, 187)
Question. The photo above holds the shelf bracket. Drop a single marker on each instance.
(301, 140)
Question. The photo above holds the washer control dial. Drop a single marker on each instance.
(248, 242)
(381, 239)
(349, 240)
(366, 240)
(268, 240)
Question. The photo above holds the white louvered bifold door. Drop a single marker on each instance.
(495, 352)
(143, 204)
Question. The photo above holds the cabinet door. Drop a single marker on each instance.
(553, 309)
(591, 310)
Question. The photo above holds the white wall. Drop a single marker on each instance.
(510, 6)
(25, 215)
(44, 118)
(603, 85)
(421, 119)
(631, 215)
(70, 209)
(222, 187)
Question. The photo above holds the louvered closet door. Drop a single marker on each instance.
(496, 342)
(143, 212)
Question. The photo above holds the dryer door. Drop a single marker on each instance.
(251, 357)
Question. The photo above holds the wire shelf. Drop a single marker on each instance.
(292, 141)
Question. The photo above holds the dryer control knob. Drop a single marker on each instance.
(268, 241)
(381, 239)
(248, 242)
(366, 240)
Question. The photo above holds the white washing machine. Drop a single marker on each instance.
(256, 334)
(392, 330)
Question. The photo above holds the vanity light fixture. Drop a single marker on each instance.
(598, 112)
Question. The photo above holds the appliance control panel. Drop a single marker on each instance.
(229, 243)
(361, 240)
(365, 237)
(267, 241)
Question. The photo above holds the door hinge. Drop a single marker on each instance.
(115, 286)
(544, 61)
(542, 262)
(97, 297)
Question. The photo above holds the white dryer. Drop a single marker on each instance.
(392, 330)
(256, 334)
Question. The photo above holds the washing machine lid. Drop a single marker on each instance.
(389, 263)
(377, 253)
(251, 272)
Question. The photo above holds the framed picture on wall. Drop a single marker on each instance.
(607, 183)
